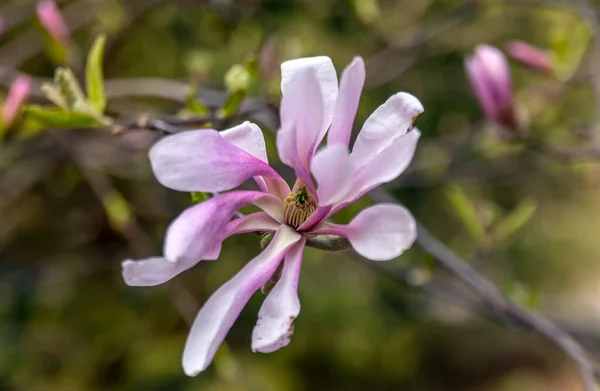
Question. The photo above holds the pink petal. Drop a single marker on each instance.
(275, 324)
(390, 121)
(202, 160)
(386, 166)
(222, 309)
(248, 137)
(52, 20)
(323, 69)
(380, 233)
(16, 96)
(334, 171)
(480, 84)
(301, 119)
(201, 227)
(286, 147)
(318, 216)
(151, 271)
(351, 85)
(495, 65)
(158, 270)
(255, 222)
(530, 56)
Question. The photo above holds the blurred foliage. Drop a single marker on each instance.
(73, 203)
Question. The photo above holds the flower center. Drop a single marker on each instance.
(298, 206)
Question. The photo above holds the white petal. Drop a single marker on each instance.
(351, 85)
(379, 233)
(324, 70)
(202, 160)
(222, 309)
(249, 138)
(151, 271)
(275, 324)
(334, 171)
(390, 121)
(385, 166)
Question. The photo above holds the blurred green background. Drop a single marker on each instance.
(74, 203)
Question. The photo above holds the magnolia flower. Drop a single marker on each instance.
(490, 78)
(52, 20)
(328, 179)
(530, 56)
(16, 96)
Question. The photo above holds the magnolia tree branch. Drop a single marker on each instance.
(496, 303)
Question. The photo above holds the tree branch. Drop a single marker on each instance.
(498, 305)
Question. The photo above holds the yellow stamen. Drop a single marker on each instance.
(299, 205)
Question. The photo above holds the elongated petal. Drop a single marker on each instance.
(202, 160)
(385, 166)
(380, 233)
(351, 85)
(276, 317)
(390, 121)
(222, 309)
(201, 227)
(286, 147)
(248, 137)
(151, 271)
(302, 115)
(323, 69)
(334, 171)
(255, 222)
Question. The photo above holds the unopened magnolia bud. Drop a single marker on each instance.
(489, 74)
(530, 56)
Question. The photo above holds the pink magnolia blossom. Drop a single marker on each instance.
(328, 179)
(530, 56)
(16, 96)
(52, 20)
(489, 74)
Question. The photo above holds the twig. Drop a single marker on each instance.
(497, 304)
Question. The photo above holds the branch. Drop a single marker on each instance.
(498, 305)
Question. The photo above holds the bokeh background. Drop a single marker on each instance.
(74, 203)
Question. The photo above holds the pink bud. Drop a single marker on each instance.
(530, 56)
(52, 20)
(490, 78)
(16, 96)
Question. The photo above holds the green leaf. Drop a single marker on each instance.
(193, 104)
(198, 197)
(53, 117)
(465, 211)
(70, 90)
(515, 220)
(232, 104)
(94, 78)
(54, 95)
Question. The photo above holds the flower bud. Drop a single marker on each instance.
(489, 75)
(16, 96)
(530, 56)
(52, 20)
